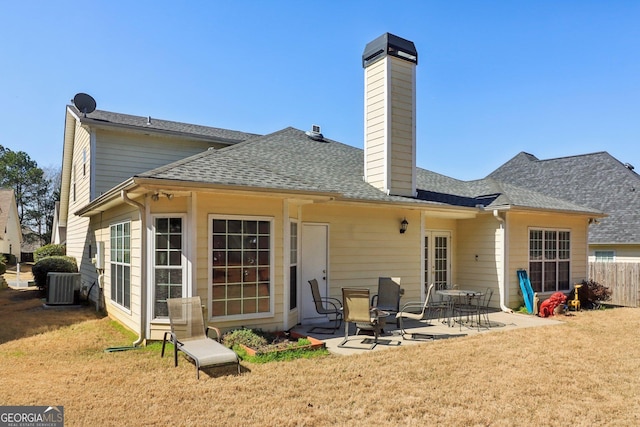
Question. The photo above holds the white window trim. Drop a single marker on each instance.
(271, 311)
(569, 260)
(595, 255)
(112, 301)
(186, 285)
(297, 264)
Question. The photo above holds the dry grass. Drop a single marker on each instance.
(583, 372)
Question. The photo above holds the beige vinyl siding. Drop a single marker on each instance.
(78, 227)
(121, 155)
(365, 244)
(390, 126)
(103, 233)
(250, 207)
(479, 237)
(402, 127)
(623, 253)
(519, 223)
(375, 124)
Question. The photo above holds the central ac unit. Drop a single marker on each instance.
(62, 287)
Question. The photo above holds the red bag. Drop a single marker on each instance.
(547, 306)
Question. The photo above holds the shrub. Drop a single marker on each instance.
(3, 268)
(243, 336)
(57, 264)
(9, 259)
(591, 294)
(49, 250)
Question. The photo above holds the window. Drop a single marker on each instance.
(73, 184)
(605, 256)
(240, 267)
(84, 162)
(121, 264)
(549, 259)
(168, 262)
(293, 266)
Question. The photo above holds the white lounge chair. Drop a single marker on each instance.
(189, 335)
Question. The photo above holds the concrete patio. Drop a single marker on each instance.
(391, 338)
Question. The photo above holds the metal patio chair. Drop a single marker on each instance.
(409, 311)
(331, 307)
(357, 310)
(388, 296)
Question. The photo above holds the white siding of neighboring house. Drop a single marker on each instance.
(120, 155)
(11, 236)
(622, 253)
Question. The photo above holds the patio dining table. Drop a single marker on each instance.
(454, 296)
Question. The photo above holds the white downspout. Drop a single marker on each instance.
(502, 274)
(143, 267)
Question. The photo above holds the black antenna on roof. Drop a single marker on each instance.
(84, 103)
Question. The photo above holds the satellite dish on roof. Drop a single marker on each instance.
(84, 103)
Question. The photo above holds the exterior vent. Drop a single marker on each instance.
(315, 133)
(62, 288)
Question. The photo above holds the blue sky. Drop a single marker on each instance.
(552, 78)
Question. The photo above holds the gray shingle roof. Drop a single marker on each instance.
(153, 124)
(597, 180)
(291, 161)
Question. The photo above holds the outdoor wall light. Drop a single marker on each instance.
(403, 226)
(156, 196)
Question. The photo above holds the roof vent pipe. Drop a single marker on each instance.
(315, 133)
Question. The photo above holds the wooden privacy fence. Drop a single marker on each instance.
(622, 278)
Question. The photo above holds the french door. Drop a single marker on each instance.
(437, 259)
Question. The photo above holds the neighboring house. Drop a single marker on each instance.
(244, 221)
(596, 180)
(10, 231)
(58, 233)
(31, 241)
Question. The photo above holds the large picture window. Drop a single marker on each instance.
(549, 259)
(121, 264)
(240, 266)
(168, 262)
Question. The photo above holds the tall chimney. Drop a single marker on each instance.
(390, 114)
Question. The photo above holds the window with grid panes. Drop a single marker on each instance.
(549, 259)
(168, 262)
(121, 264)
(240, 266)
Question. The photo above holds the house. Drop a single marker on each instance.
(156, 209)
(10, 230)
(597, 180)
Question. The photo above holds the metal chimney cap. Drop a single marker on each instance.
(389, 44)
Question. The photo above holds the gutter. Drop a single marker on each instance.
(143, 269)
(502, 280)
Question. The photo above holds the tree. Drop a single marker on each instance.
(35, 196)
